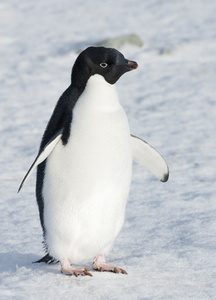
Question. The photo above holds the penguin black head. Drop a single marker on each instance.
(108, 62)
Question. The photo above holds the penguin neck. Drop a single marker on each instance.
(101, 94)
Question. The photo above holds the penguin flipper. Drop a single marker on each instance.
(146, 155)
(42, 155)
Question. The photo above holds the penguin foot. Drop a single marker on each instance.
(99, 264)
(67, 269)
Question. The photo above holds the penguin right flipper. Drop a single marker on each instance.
(42, 155)
(146, 155)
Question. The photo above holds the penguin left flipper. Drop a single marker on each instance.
(146, 155)
(42, 155)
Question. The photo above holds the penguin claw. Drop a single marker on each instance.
(119, 270)
(123, 271)
(87, 273)
(86, 269)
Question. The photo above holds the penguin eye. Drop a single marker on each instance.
(103, 65)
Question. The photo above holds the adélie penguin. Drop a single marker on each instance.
(84, 165)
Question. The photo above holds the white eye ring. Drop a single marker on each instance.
(103, 65)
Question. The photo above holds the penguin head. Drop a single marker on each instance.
(107, 62)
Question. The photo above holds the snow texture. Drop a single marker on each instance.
(168, 242)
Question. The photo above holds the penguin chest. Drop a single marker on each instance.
(98, 153)
(97, 158)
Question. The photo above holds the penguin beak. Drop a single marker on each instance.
(131, 65)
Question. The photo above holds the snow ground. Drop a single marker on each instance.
(168, 242)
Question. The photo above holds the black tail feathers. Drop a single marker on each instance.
(47, 259)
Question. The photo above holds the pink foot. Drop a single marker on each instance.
(99, 264)
(67, 269)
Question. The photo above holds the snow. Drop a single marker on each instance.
(168, 241)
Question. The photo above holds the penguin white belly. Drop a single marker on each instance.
(87, 182)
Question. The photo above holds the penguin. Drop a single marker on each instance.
(84, 165)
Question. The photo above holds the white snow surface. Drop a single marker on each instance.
(168, 242)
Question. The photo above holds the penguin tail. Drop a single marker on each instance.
(47, 259)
